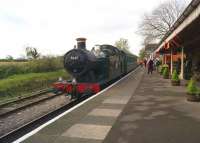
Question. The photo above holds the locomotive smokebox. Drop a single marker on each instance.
(81, 43)
(79, 61)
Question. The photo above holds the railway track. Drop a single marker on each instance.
(11, 107)
(22, 130)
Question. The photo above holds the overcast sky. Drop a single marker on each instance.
(53, 25)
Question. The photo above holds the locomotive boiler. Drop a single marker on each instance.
(93, 70)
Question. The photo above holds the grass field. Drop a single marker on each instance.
(18, 85)
(47, 64)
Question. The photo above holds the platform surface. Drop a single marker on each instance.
(140, 109)
(157, 113)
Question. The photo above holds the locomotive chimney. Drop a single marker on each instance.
(81, 43)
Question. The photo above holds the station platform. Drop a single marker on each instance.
(140, 108)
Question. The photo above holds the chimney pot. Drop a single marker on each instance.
(81, 43)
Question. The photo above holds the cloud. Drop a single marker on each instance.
(52, 25)
(12, 19)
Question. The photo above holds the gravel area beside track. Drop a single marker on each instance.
(22, 117)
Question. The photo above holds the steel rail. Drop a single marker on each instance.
(31, 95)
(37, 98)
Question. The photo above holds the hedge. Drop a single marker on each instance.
(46, 64)
(24, 83)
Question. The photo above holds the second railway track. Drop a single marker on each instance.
(20, 104)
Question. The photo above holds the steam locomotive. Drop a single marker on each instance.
(93, 70)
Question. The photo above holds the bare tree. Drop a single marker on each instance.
(142, 54)
(122, 44)
(9, 57)
(156, 24)
(32, 53)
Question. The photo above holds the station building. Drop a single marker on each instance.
(180, 47)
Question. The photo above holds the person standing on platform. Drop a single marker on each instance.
(150, 66)
(145, 63)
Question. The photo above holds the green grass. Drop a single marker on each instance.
(17, 85)
(46, 64)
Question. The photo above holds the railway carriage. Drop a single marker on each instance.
(93, 70)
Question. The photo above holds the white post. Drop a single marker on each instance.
(171, 61)
(182, 64)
